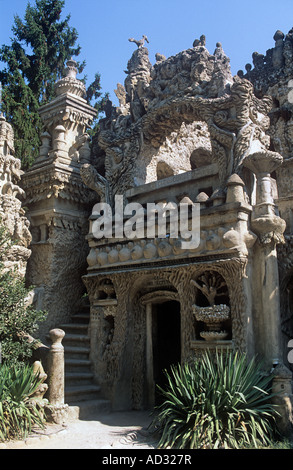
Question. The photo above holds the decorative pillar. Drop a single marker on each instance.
(269, 227)
(56, 410)
(235, 191)
(56, 368)
(59, 203)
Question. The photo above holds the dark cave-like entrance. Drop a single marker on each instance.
(166, 341)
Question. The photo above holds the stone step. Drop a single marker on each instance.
(77, 365)
(75, 328)
(74, 339)
(78, 378)
(80, 393)
(90, 408)
(76, 352)
(81, 318)
(85, 307)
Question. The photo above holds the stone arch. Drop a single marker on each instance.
(150, 289)
(150, 282)
(159, 296)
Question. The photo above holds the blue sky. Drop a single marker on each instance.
(104, 26)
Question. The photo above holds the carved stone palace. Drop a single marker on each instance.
(187, 131)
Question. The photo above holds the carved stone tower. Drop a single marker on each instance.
(59, 203)
(11, 212)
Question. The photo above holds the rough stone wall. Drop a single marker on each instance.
(183, 150)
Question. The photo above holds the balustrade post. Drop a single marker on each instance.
(56, 368)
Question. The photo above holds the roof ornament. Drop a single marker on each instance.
(141, 42)
(200, 42)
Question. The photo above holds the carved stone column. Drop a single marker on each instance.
(269, 227)
(56, 410)
(56, 368)
(59, 203)
(265, 219)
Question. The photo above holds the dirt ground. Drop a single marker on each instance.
(116, 430)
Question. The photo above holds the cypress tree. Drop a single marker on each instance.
(33, 62)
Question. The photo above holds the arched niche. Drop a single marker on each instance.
(105, 290)
(212, 306)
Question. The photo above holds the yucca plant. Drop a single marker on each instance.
(17, 413)
(219, 401)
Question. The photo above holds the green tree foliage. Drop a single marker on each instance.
(16, 319)
(94, 94)
(41, 44)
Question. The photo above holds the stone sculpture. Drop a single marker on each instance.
(96, 182)
(141, 42)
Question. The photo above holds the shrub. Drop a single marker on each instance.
(218, 401)
(17, 320)
(17, 413)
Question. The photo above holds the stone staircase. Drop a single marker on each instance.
(81, 393)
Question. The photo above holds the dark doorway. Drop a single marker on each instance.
(166, 341)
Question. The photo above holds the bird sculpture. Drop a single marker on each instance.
(139, 43)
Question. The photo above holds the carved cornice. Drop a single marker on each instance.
(52, 181)
(164, 263)
(224, 232)
(67, 107)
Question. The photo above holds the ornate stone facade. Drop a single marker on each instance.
(11, 212)
(185, 131)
